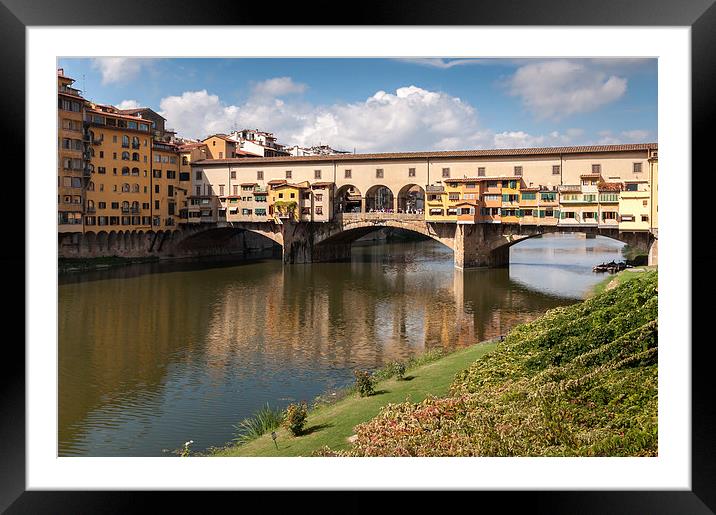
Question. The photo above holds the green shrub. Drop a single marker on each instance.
(398, 369)
(364, 383)
(295, 418)
(263, 421)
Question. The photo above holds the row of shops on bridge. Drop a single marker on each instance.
(593, 202)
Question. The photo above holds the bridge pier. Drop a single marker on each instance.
(653, 259)
(473, 247)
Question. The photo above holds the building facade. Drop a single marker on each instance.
(73, 170)
(566, 186)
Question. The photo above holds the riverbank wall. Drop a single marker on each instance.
(158, 245)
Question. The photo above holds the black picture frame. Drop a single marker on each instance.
(700, 15)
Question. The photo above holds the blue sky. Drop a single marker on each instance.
(389, 104)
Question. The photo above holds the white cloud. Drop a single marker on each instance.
(438, 62)
(556, 89)
(197, 113)
(277, 87)
(128, 104)
(409, 118)
(119, 69)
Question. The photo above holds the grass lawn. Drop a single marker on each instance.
(332, 425)
(612, 281)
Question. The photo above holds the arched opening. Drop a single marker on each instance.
(379, 198)
(560, 263)
(348, 199)
(411, 199)
(228, 241)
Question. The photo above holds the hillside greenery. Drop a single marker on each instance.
(579, 381)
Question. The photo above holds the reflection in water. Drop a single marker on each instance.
(151, 356)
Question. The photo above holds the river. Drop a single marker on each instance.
(154, 355)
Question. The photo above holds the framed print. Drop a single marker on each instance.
(251, 216)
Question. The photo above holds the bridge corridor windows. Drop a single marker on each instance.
(379, 198)
(348, 199)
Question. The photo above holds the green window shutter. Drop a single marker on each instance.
(504, 197)
(541, 213)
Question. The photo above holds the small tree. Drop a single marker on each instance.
(364, 383)
(295, 418)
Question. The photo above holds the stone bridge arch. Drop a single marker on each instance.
(489, 244)
(219, 239)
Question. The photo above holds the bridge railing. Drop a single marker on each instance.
(345, 217)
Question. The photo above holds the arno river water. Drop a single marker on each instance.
(151, 356)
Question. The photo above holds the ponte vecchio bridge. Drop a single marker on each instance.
(478, 203)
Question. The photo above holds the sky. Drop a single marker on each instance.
(388, 105)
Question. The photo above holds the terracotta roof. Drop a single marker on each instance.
(220, 136)
(529, 189)
(609, 186)
(474, 204)
(191, 146)
(249, 183)
(275, 181)
(321, 184)
(556, 151)
(590, 176)
(297, 186)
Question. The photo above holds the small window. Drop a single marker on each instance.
(259, 176)
(481, 171)
(518, 171)
(379, 173)
(446, 172)
(411, 172)
(288, 174)
(316, 174)
(347, 174)
(233, 174)
(555, 169)
(637, 167)
(596, 168)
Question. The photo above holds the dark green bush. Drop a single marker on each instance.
(364, 383)
(295, 418)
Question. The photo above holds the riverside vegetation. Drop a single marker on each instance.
(579, 381)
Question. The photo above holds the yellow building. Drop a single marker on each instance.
(119, 193)
(219, 146)
(654, 182)
(72, 163)
(169, 192)
(635, 206)
(510, 201)
(287, 202)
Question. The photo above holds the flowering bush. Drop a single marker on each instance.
(295, 418)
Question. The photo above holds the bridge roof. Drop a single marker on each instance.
(496, 152)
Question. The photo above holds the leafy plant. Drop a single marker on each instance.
(295, 418)
(263, 421)
(398, 369)
(365, 383)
